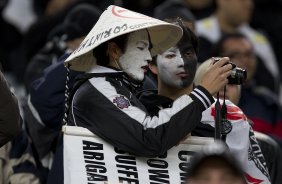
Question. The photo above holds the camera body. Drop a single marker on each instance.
(238, 75)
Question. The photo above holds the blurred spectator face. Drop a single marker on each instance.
(240, 52)
(215, 171)
(236, 11)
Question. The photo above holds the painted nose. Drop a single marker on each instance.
(148, 56)
(180, 62)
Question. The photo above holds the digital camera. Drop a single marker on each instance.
(238, 75)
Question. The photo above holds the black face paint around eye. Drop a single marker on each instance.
(190, 63)
(178, 71)
(190, 67)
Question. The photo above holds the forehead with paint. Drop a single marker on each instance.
(134, 60)
(136, 39)
(177, 65)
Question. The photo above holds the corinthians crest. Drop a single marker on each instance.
(121, 102)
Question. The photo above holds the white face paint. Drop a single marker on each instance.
(135, 59)
(177, 65)
(171, 67)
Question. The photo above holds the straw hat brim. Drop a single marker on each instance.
(117, 21)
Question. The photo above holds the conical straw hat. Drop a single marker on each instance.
(116, 21)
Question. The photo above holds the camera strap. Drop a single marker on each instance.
(222, 125)
(217, 134)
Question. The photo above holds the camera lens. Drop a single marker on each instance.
(238, 76)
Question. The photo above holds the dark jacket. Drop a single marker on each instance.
(44, 112)
(9, 113)
(108, 107)
(44, 109)
(267, 116)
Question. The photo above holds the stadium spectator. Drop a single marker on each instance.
(234, 16)
(214, 164)
(267, 116)
(64, 38)
(44, 107)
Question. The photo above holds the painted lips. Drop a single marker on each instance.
(182, 74)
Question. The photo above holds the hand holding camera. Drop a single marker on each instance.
(221, 72)
(238, 75)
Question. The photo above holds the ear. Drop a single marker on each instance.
(113, 51)
(153, 68)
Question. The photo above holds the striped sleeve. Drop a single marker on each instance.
(202, 96)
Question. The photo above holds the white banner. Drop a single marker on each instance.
(88, 159)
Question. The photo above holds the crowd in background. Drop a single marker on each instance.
(36, 34)
(22, 21)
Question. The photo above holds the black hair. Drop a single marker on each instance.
(219, 46)
(100, 52)
(188, 35)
